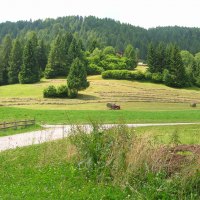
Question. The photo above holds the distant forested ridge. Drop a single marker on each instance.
(104, 32)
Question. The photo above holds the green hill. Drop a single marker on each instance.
(105, 32)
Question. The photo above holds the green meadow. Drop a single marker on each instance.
(90, 166)
(101, 116)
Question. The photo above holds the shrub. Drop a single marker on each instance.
(50, 92)
(157, 77)
(101, 153)
(117, 74)
(148, 76)
(94, 69)
(137, 75)
(134, 162)
(168, 78)
(62, 91)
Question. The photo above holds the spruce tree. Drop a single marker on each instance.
(58, 58)
(15, 62)
(4, 62)
(168, 52)
(74, 51)
(41, 55)
(177, 67)
(1, 67)
(77, 78)
(66, 41)
(53, 65)
(176, 75)
(151, 58)
(160, 59)
(30, 71)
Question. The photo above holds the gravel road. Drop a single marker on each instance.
(54, 132)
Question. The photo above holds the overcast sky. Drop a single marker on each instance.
(144, 13)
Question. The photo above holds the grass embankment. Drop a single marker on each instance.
(116, 164)
(44, 172)
(108, 116)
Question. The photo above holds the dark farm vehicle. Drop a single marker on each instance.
(113, 106)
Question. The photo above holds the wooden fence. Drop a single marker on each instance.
(16, 124)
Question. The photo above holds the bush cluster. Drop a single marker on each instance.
(116, 74)
(123, 75)
(165, 77)
(157, 77)
(53, 92)
(93, 69)
(134, 162)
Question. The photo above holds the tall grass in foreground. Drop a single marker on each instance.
(138, 164)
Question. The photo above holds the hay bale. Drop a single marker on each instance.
(193, 104)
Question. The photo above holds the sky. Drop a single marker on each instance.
(143, 13)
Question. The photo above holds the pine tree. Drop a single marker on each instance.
(4, 62)
(53, 65)
(93, 45)
(15, 62)
(42, 55)
(177, 67)
(168, 52)
(77, 78)
(1, 67)
(67, 40)
(58, 64)
(74, 51)
(151, 58)
(30, 71)
(176, 76)
(160, 59)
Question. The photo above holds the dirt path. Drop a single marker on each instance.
(54, 132)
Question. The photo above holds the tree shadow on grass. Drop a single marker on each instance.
(193, 88)
(87, 97)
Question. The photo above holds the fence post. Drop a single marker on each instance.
(4, 126)
(25, 122)
(15, 125)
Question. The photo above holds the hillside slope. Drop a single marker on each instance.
(105, 32)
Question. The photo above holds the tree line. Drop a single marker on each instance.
(176, 68)
(27, 61)
(104, 32)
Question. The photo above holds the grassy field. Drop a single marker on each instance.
(44, 172)
(141, 102)
(52, 171)
(126, 93)
(186, 134)
(106, 116)
(129, 106)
